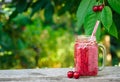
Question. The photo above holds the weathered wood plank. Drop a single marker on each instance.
(109, 74)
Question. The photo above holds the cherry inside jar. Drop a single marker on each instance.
(86, 56)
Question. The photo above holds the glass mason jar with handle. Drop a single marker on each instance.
(86, 55)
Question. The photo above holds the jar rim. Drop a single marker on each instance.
(85, 37)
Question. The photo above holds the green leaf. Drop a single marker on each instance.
(13, 15)
(49, 10)
(113, 30)
(1, 25)
(83, 8)
(90, 21)
(0, 30)
(106, 17)
(38, 5)
(115, 4)
(20, 43)
(21, 5)
(21, 20)
(116, 18)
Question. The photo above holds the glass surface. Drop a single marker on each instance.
(86, 55)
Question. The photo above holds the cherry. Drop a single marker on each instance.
(70, 74)
(95, 8)
(100, 7)
(76, 75)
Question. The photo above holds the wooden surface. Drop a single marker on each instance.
(109, 74)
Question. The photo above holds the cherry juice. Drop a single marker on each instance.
(86, 56)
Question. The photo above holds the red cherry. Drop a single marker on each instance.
(76, 75)
(70, 74)
(95, 8)
(100, 7)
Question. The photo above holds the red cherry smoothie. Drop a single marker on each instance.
(86, 56)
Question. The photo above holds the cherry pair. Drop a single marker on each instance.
(71, 74)
(98, 8)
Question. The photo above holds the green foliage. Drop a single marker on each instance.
(116, 18)
(49, 10)
(89, 24)
(115, 4)
(21, 5)
(113, 30)
(21, 44)
(106, 17)
(83, 8)
(30, 38)
(66, 5)
(86, 17)
(21, 20)
(53, 47)
(38, 5)
(34, 45)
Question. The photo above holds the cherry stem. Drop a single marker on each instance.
(103, 2)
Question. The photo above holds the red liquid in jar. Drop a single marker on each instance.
(86, 58)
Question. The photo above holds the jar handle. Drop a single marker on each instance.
(103, 49)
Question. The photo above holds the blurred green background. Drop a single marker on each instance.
(41, 33)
